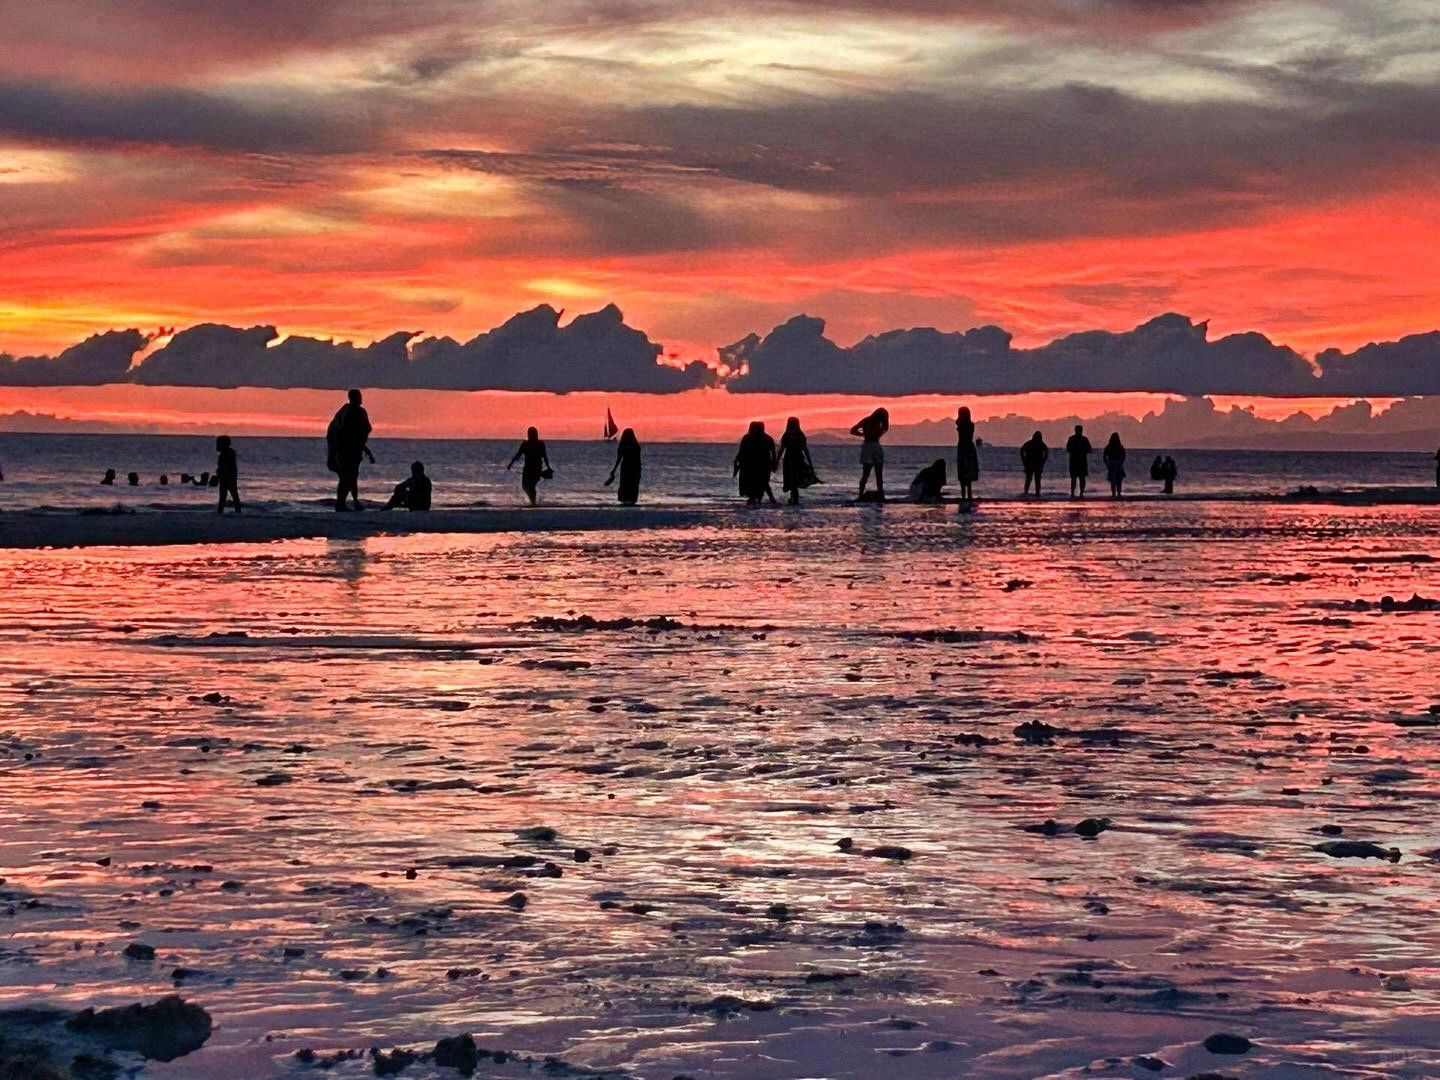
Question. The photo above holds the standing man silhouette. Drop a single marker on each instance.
(346, 444)
(1078, 449)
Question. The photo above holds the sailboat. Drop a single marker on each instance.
(611, 429)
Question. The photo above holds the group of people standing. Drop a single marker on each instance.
(756, 461)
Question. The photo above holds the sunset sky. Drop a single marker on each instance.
(354, 167)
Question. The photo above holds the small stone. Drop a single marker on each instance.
(1092, 827)
(516, 901)
(890, 851)
(164, 1031)
(138, 950)
(458, 1052)
(541, 833)
(1222, 1042)
(581, 855)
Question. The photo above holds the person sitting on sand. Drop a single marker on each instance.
(536, 467)
(929, 482)
(227, 469)
(108, 480)
(1078, 449)
(347, 445)
(872, 457)
(414, 493)
(627, 464)
(797, 470)
(1114, 458)
(754, 462)
(967, 456)
(1033, 456)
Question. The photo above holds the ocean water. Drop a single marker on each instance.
(806, 801)
(63, 471)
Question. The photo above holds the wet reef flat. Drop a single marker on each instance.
(1140, 790)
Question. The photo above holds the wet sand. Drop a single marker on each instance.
(68, 529)
(764, 797)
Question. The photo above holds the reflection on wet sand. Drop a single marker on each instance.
(863, 794)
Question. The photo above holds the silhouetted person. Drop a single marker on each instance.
(797, 470)
(214, 480)
(1114, 458)
(164, 479)
(872, 456)
(1157, 468)
(413, 493)
(929, 482)
(1168, 472)
(346, 442)
(1033, 455)
(627, 464)
(227, 471)
(754, 462)
(203, 480)
(1437, 468)
(133, 479)
(536, 467)
(967, 456)
(1078, 450)
(186, 478)
(109, 478)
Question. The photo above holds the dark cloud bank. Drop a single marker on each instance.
(598, 351)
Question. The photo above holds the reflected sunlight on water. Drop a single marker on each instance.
(396, 705)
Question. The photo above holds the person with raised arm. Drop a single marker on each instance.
(872, 457)
(536, 467)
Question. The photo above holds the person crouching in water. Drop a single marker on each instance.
(414, 493)
(929, 482)
(227, 469)
(1033, 456)
(536, 467)
(872, 456)
(627, 464)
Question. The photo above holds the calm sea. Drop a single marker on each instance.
(289, 473)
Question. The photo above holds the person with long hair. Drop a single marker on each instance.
(754, 462)
(967, 457)
(796, 469)
(536, 467)
(627, 464)
(872, 457)
(1114, 458)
